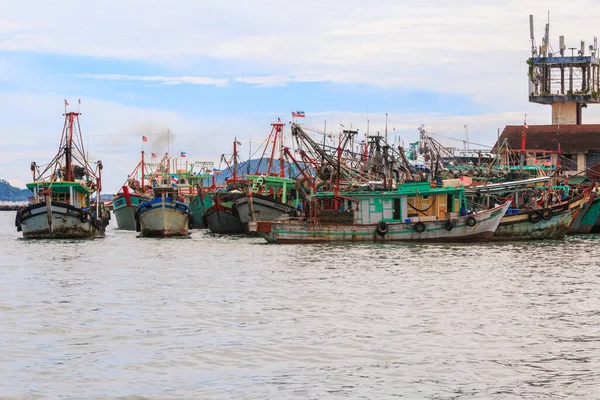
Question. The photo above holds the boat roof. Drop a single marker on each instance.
(270, 178)
(508, 186)
(62, 186)
(404, 189)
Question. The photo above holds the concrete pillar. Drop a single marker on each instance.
(564, 113)
(580, 162)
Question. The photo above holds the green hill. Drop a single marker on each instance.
(11, 193)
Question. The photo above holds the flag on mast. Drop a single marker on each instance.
(153, 155)
(183, 154)
(144, 139)
(66, 104)
(298, 114)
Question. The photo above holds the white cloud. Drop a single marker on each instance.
(476, 48)
(473, 47)
(167, 80)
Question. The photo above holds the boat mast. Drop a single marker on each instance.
(70, 116)
(281, 144)
(235, 161)
(143, 168)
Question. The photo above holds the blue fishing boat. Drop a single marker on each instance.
(165, 215)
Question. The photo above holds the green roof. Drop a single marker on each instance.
(61, 187)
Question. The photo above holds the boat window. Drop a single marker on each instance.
(450, 202)
(396, 209)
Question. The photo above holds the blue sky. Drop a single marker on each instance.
(208, 71)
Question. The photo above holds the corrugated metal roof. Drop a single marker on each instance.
(572, 138)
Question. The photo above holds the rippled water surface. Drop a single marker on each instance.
(234, 318)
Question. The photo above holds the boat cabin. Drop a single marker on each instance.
(279, 188)
(410, 202)
(75, 194)
(169, 193)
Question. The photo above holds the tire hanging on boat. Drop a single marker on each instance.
(471, 221)
(138, 226)
(534, 217)
(547, 213)
(419, 227)
(449, 225)
(18, 220)
(382, 228)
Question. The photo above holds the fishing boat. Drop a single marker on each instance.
(268, 198)
(61, 206)
(270, 195)
(199, 203)
(222, 217)
(586, 225)
(414, 212)
(193, 182)
(542, 218)
(132, 194)
(165, 215)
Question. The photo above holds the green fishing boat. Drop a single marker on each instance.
(62, 205)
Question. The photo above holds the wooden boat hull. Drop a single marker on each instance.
(519, 226)
(198, 205)
(575, 225)
(596, 227)
(68, 222)
(265, 208)
(125, 213)
(296, 231)
(589, 217)
(222, 219)
(125, 217)
(160, 218)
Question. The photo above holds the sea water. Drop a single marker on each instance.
(215, 317)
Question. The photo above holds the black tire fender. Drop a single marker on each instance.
(18, 220)
(449, 225)
(471, 221)
(382, 228)
(419, 227)
(547, 213)
(534, 216)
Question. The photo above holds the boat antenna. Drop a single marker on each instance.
(386, 126)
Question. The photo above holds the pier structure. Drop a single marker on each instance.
(568, 79)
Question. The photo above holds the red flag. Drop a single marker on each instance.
(144, 139)
(153, 155)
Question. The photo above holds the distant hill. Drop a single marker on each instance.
(250, 167)
(104, 197)
(11, 193)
